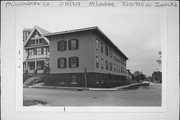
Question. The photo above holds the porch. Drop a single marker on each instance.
(34, 67)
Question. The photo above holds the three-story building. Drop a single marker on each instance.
(85, 57)
(36, 48)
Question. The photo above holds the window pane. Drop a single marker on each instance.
(32, 41)
(40, 65)
(37, 41)
(38, 51)
(97, 62)
(73, 44)
(44, 51)
(40, 41)
(102, 46)
(30, 52)
(106, 50)
(110, 53)
(36, 35)
(73, 62)
(110, 66)
(97, 44)
(62, 63)
(47, 50)
(107, 65)
(102, 63)
(34, 52)
(61, 45)
(31, 65)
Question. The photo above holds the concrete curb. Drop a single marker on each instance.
(114, 89)
(54, 87)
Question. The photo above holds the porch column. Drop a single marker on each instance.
(45, 64)
(35, 65)
(25, 65)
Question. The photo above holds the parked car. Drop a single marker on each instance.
(145, 83)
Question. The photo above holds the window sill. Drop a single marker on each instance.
(62, 68)
(61, 50)
(62, 83)
(74, 83)
(74, 49)
(73, 67)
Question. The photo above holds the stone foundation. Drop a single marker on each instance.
(96, 80)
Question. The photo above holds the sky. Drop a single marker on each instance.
(137, 32)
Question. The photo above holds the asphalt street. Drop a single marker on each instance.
(145, 96)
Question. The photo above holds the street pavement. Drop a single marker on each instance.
(144, 96)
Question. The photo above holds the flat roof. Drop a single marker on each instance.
(70, 31)
(86, 29)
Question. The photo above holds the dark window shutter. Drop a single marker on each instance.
(65, 45)
(77, 44)
(77, 62)
(58, 46)
(69, 62)
(58, 63)
(65, 63)
(69, 44)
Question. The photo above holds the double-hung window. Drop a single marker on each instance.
(30, 52)
(102, 63)
(110, 53)
(102, 46)
(107, 65)
(73, 62)
(110, 66)
(97, 62)
(73, 44)
(44, 51)
(33, 42)
(40, 41)
(38, 51)
(62, 63)
(97, 44)
(106, 50)
(61, 46)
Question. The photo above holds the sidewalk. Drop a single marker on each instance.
(115, 88)
(83, 88)
(56, 87)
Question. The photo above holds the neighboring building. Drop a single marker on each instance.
(26, 33)
(129, 75)
(36, 48)
(149, 78)
(157, 77)
(85, 57)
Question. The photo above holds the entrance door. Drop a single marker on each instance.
(40, 66)
(31, 66)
